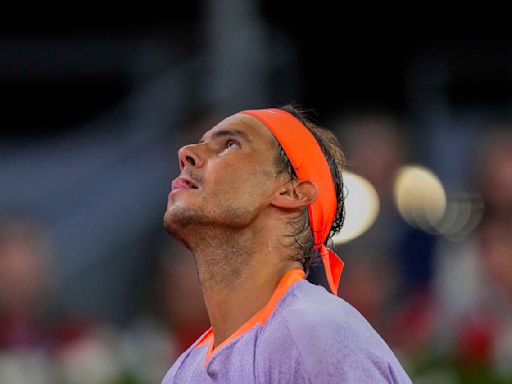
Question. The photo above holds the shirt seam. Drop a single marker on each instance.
(303, 368)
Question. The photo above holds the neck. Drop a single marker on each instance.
(239, 271)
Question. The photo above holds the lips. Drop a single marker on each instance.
(183, 182)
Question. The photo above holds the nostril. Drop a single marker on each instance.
(190, 160)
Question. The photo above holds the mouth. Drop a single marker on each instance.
(183, 182)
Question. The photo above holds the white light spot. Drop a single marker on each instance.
(361, 207)
(419, 196)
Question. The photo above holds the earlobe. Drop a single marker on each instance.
(295, 194)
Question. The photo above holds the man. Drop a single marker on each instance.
(257, 197)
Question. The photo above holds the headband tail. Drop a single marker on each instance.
(333, 267)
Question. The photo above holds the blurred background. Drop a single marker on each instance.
(95, 105)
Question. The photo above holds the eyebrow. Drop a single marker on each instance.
(228, 132)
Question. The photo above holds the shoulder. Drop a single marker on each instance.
(198, 358)
(332, 338)
(309, 310)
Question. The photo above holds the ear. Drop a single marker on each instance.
(295, 194)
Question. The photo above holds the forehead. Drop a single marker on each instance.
(247, 126)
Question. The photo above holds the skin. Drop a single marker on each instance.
(236, 222)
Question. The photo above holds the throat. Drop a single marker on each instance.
(222, 263)
(238, 277)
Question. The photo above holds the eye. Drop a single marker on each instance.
(232, 143)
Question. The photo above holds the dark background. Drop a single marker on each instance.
(345, 60)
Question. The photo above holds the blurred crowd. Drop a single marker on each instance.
(42, 342)
(443, 305)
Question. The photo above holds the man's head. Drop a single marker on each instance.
(240, 177)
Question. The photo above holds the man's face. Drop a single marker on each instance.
(227, 178)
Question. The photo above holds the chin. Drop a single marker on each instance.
(181, 221)
(182, 225)
(177, 219)
(173, 227)
(171, 220)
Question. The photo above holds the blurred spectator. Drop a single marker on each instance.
(376, 147)
(31, 317)
(39, 342)
(24, 333)
(389, 268)
(24, 284)
(474, 283)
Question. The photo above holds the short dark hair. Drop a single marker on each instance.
(300, 228)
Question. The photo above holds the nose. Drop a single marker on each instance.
(189, 155)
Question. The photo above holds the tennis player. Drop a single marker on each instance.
(258, 197)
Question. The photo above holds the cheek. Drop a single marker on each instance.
(240, 182)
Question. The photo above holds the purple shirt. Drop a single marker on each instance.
(311, 336)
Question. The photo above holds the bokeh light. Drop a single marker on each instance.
(462, 215)
(361, 207)
(419, 196)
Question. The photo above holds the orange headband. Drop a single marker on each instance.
(309, 163)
